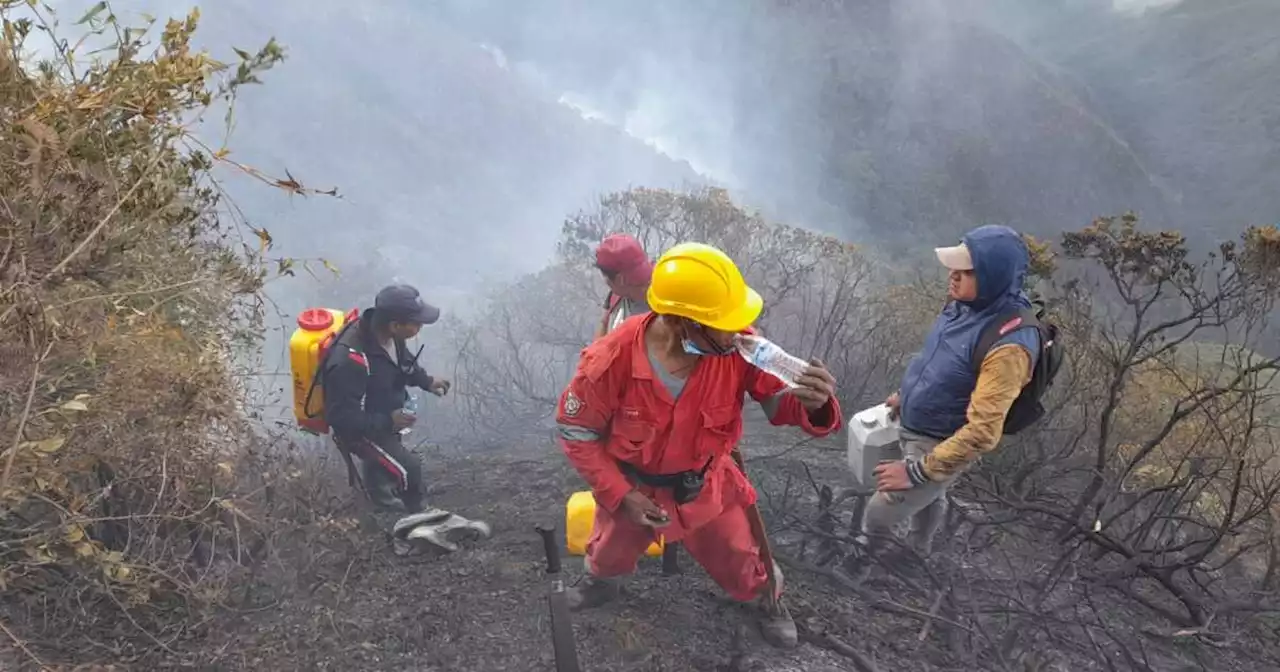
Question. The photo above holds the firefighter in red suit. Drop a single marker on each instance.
(651, 418)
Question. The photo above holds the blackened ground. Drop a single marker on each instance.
(336, 596)
(355, 605)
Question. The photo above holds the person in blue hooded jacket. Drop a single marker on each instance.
(951, 411)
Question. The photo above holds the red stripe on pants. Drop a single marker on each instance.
(392, 466)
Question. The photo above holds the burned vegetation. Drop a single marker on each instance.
(147, 520)
(1133, 528)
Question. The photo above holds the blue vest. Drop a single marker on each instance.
(935, 391)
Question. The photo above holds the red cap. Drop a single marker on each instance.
(622, 254)
(315, 319)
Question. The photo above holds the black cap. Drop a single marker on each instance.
(402, 303)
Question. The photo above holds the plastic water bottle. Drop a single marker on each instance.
(410, 407)
(768, 356)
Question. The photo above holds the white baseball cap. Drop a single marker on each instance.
(956, 258)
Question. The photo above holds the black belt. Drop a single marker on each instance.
(685, 485)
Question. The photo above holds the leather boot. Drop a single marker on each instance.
(776, 624)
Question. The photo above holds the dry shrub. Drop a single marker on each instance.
(124, 298)
(1148, 496)
(514, 357)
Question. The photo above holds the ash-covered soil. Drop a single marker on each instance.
(353, 604)
(337, 597)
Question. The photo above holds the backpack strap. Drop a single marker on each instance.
(611, 301)
(1004, 324)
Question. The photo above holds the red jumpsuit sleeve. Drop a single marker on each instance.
(582, 419)
(785, 409)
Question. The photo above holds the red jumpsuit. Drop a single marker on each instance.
(616, 409)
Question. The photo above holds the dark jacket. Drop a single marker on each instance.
(362, 386)
(940, 380)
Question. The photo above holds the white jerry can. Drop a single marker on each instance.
(873, 438)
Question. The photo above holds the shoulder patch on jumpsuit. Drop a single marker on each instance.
(572, 405)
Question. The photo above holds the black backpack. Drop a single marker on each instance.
(1026, 409)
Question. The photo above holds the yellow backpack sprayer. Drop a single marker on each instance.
(317, 330)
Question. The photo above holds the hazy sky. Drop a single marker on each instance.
(1141, 5)
(461, 132)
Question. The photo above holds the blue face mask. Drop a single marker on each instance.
(692, 348)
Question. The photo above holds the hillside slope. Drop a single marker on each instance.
(924, 118)
(1196, 89)
(935, 126)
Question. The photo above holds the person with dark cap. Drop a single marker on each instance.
(626, 269)
(365, 376)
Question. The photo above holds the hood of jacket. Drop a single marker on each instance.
(1000, 261)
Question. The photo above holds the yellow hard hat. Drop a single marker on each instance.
(703, 284)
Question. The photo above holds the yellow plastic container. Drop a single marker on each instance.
(316, 327)
(580, 518)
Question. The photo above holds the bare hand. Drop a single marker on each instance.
(816, 385)
(439, 387)
(643, 511)
(892, 476)
(401, 419)
(894, 403)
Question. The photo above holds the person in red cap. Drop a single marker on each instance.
(626, 269)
